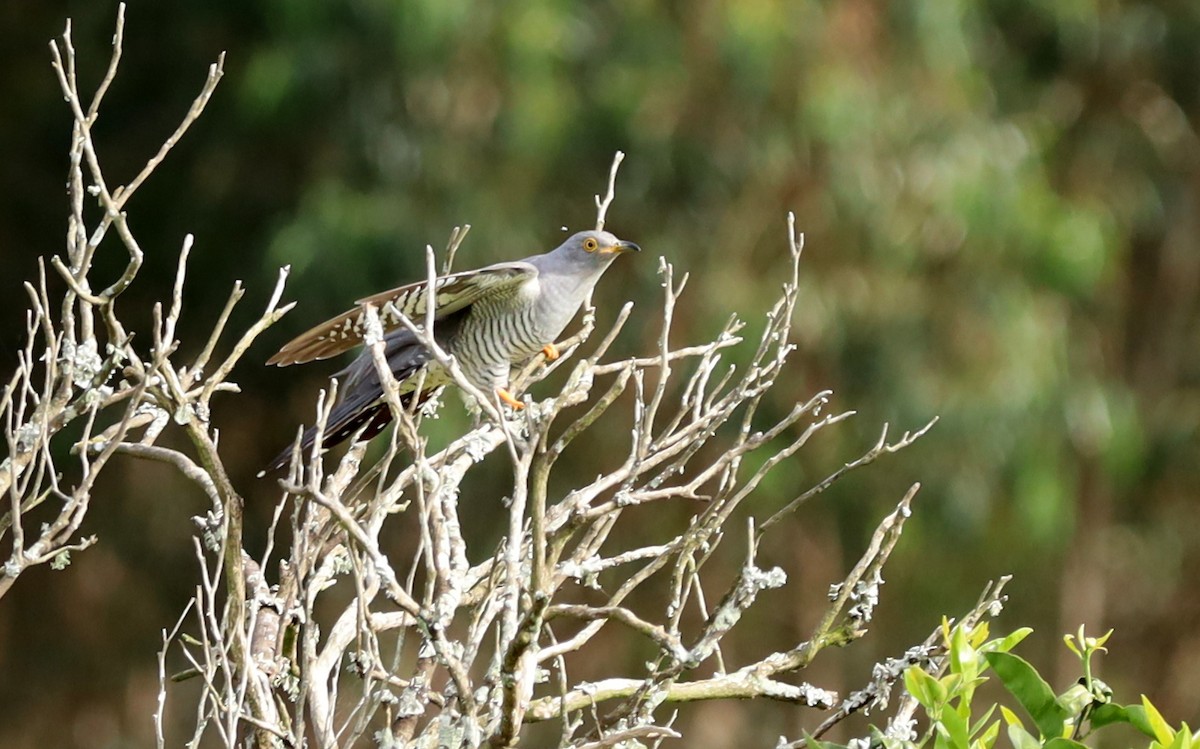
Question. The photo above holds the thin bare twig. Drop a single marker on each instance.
(339, 631)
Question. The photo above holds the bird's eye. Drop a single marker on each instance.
(590, 245)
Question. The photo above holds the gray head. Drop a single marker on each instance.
(592, 248)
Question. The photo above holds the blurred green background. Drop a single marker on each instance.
(1000, 203)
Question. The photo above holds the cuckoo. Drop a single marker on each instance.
(488, 319)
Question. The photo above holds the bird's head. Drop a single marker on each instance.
(595, 247)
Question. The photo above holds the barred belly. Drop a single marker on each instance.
(497, 333)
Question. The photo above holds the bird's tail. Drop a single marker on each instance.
(361, 410)
(347, 418)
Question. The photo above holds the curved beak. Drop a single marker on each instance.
(623, 246)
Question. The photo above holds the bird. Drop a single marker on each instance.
(488, 319)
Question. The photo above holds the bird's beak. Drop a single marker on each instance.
(621, 247)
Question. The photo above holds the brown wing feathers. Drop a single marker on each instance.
(452, 292)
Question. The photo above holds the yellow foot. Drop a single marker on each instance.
(508, 398)
(551, 351)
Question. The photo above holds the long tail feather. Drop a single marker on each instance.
(371, 420)
(361, 409)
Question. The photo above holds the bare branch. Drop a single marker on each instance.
(602, 204)
(338, 635)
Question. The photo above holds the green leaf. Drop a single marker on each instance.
(951, 684)
(1069, 641)
(988, 738)
(980, 723)
(1017, 735)
(1183, 738)
(924, 688)
(1060, 743)
(1031, 690)
(967, 690)
(1100, 641)
(1106, 715)
(1101, 693)
(956, 728)
(1134, 715)
(1110, 713)
(1075, 699)
(979, 634)
(941, 737)
(1010, 717)
(1162, 730)
(963, 659)
(1008, 643)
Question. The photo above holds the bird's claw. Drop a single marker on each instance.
(508, 398)
(551, 351)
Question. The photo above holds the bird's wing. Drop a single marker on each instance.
(452, 293)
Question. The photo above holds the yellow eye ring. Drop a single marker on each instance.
(590, 245)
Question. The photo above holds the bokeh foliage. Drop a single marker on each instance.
(1000, 201)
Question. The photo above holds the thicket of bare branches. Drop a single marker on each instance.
(425, 648)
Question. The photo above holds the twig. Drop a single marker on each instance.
(603, 204)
